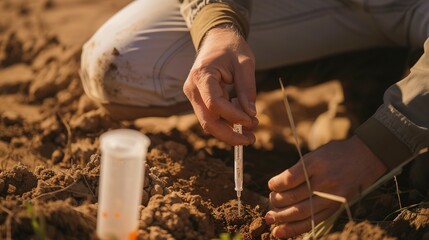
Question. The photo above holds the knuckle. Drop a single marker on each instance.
(200, 72)
(211, 104)
(282, 217)
(196, 72)
(300, 212)
(274, 199)
(187, 89)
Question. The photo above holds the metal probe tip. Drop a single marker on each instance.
(239, 206)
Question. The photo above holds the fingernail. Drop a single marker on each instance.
(269, 219)
(252, 108)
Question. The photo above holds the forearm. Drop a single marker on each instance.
(201, 16)
(400, 127)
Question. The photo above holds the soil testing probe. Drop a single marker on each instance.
(238, 167)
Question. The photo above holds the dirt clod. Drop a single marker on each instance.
(257, 227)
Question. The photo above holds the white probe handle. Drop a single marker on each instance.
(238, 162)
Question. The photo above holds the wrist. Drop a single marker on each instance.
(225, 33)
(377, 167)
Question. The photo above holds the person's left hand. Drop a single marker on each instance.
(341, 168)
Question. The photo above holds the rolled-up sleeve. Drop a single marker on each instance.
(400, 127)
(202, 15)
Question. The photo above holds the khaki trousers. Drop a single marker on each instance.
(137, 62)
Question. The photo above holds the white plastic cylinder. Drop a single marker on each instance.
(123, 155)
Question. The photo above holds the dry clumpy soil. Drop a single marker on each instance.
(49, 145)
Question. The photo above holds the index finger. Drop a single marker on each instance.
(245, 85)
(213, 97)
(215, 125)
(290, 178)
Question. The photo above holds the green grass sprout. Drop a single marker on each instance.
(37, 222)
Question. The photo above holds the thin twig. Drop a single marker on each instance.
(397, 192)
(56, 191)
(405, 208)
(307, 180)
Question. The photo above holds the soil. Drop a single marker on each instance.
(49, 140)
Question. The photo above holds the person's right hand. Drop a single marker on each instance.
(224, 59)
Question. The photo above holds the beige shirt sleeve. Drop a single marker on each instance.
(202, 15)
(400, 127)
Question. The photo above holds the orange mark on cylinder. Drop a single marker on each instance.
(104, 214)
(132, 235)
(117, 214)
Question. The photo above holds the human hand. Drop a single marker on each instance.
(342, 168)
(224, 59)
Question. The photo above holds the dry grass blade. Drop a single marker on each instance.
(290, 117)
(295, 135)
(325, 226)
(336, 198)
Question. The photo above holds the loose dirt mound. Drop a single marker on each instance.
(49, 142)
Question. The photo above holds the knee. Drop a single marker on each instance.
(99, 72)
